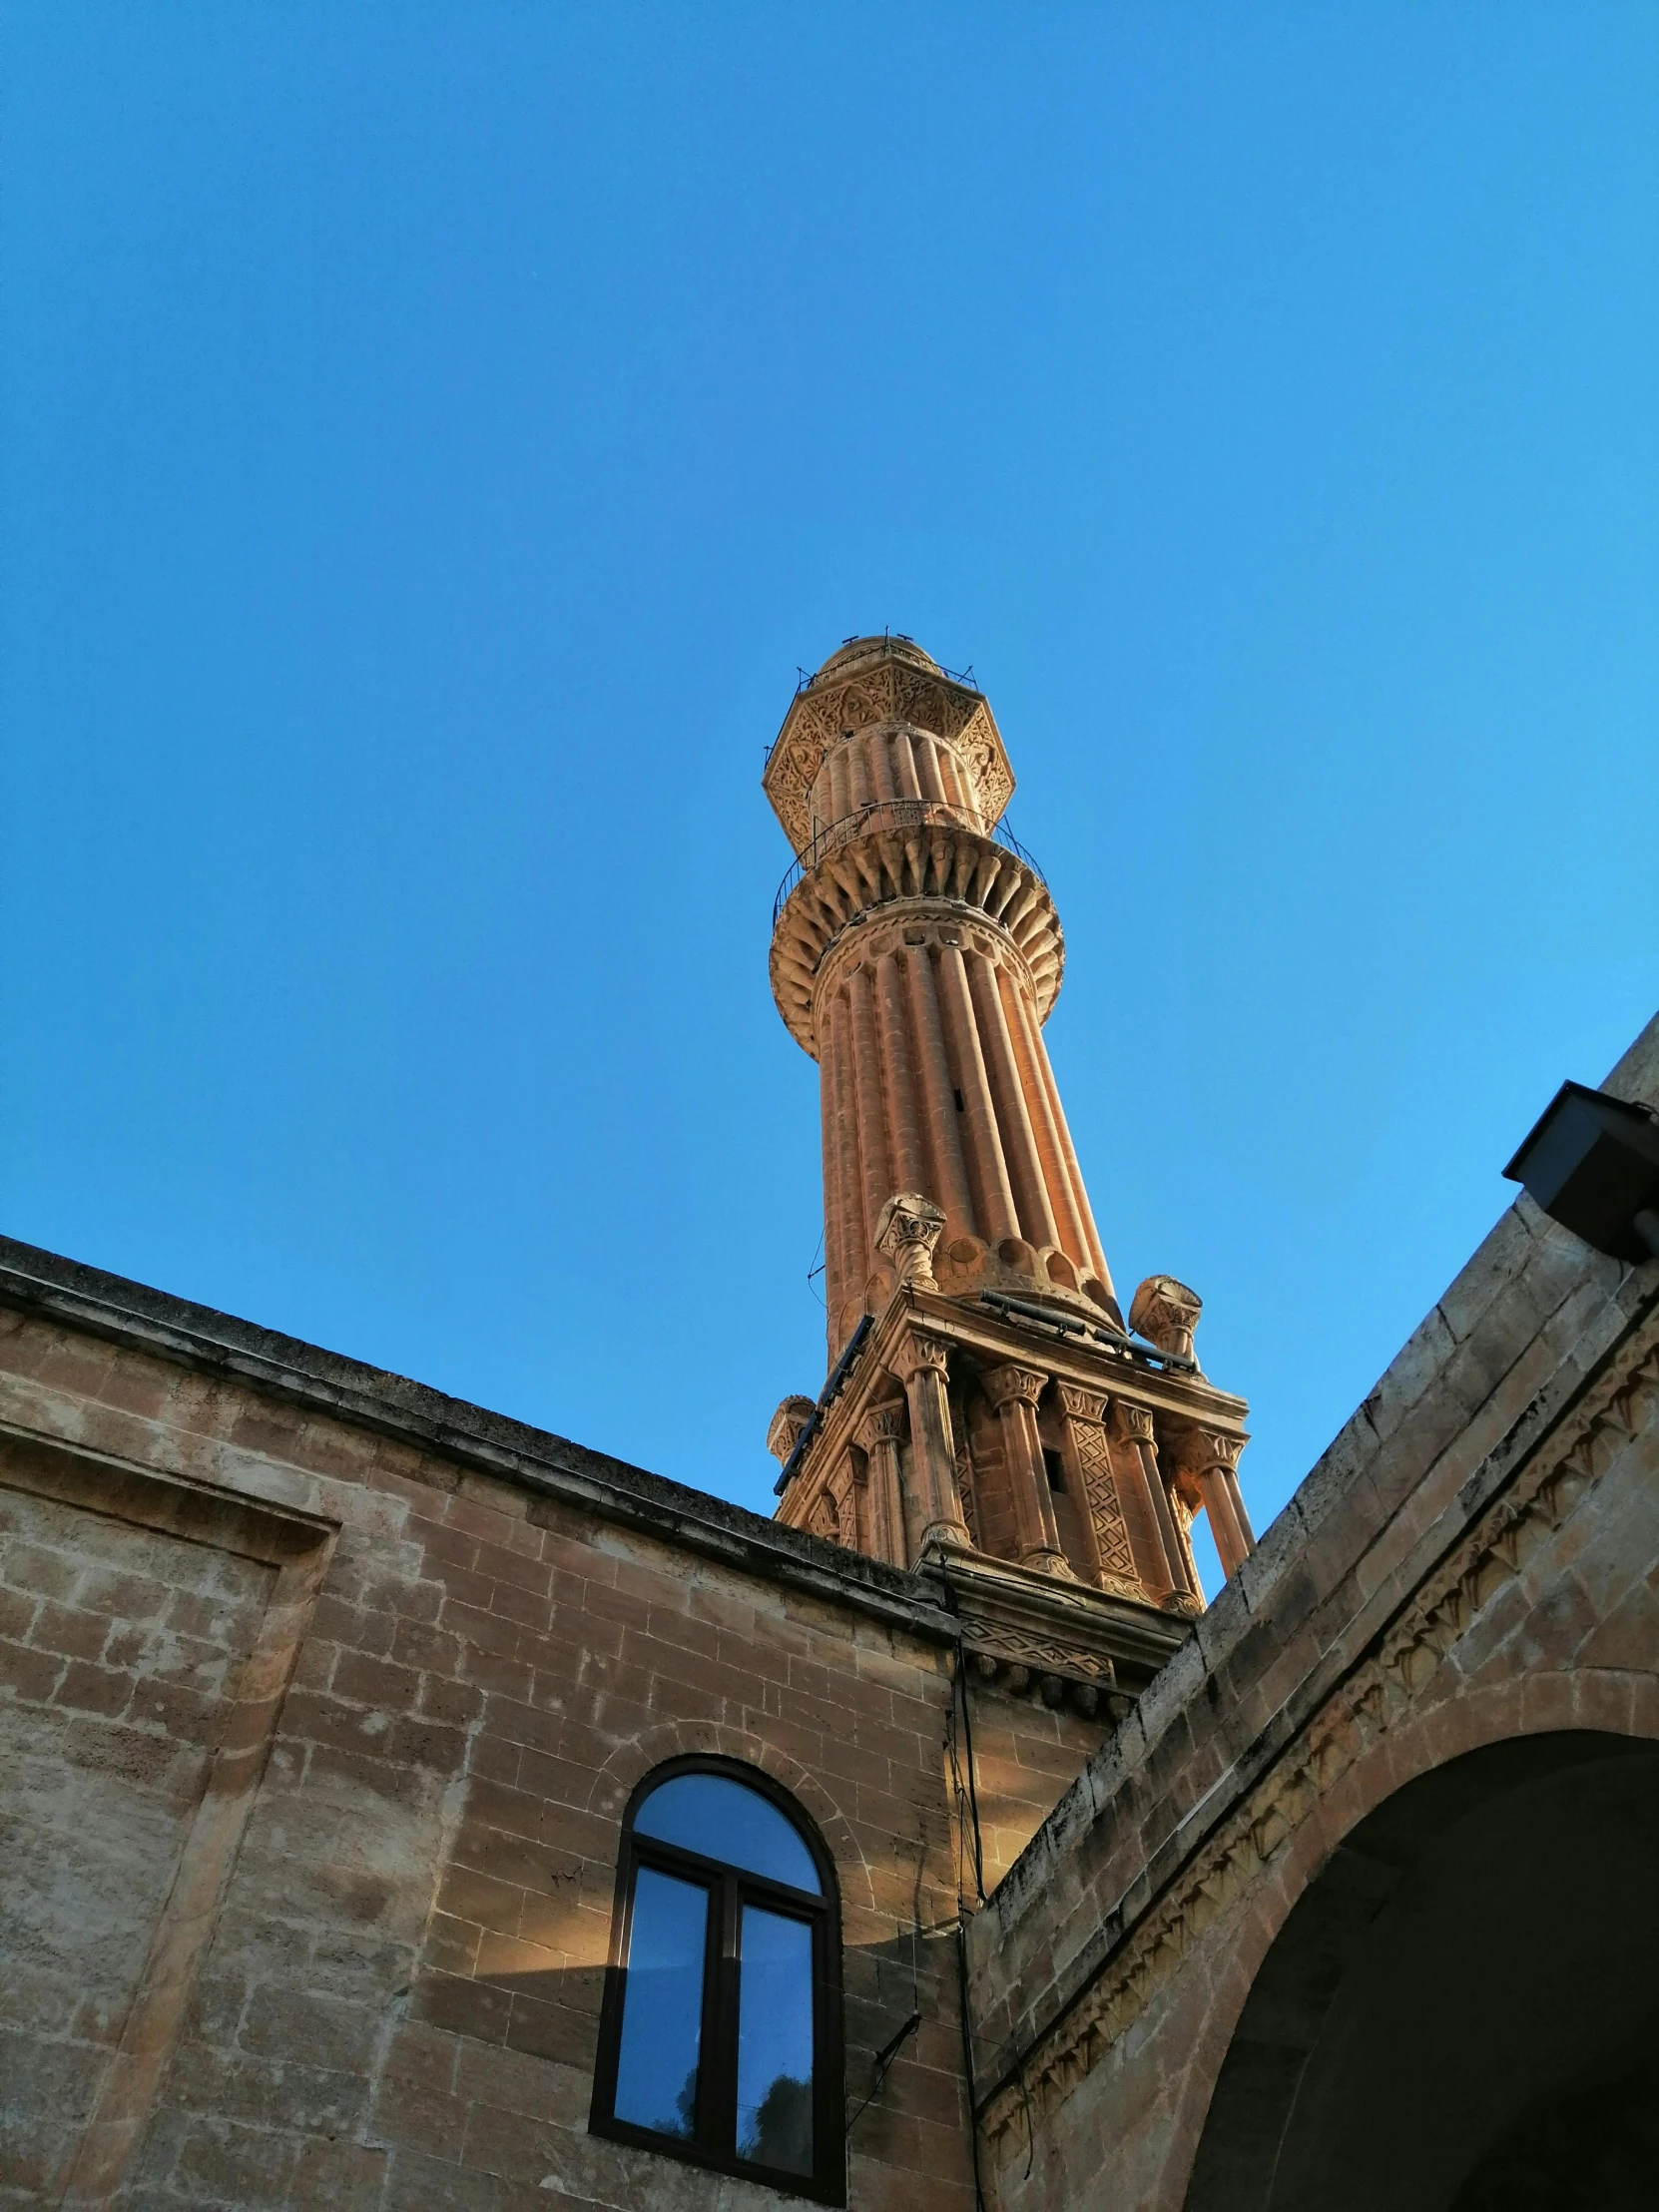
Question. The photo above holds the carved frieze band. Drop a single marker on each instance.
(891, 692)
(1381, 1691)
(1042, 1654)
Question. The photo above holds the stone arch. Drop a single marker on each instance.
(1600, 1711)
(629, 1763)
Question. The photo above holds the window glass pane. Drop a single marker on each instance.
(662, 2007)
(775, 2042)
(717, 1817)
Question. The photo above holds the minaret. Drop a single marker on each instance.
(986, 1403)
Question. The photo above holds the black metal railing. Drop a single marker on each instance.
(899, 815)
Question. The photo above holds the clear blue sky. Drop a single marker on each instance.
(431, 438)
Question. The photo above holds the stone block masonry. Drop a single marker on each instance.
(1473, 1563)
(323, 1698)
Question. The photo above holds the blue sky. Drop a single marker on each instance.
(431, 438)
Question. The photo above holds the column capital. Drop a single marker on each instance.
(1166, 1313)
(917, 1351)
(1080, 1404)
(1011, 1384)
(1201, 1449)
(882, 1424)
(911, 1225)
(784, 1429)
(1131, 1424)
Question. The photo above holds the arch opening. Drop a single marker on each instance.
(1461, 2011)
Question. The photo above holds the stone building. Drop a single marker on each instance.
(406, 1807)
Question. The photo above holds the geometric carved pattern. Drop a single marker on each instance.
(964, 1486)
(1019, 1646)
(893, 689)
(1101, 1490)
(824, 1518)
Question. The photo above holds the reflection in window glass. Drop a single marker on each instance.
(662, 2014)
(775, 2042)
(718, 1817)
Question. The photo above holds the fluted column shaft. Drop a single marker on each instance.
(843, 1206)
(910, 1154)
(1021, 1033)
(872, 1128)
(921, 1364)
(1045, 1072)
(1215, 1463)
(1014, 1391)
(1037, 1223)
(993, 1194)
(880, 1433)
(949, 1186)
(1158, 1554)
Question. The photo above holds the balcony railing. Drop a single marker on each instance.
(897, 814)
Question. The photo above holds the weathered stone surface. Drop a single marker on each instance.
(1475, 1558)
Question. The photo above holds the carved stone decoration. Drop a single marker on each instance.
(873, 680)
(1003, 1386)
(923, 1364)
(964, 1487)
(1390, 1688)
(1085, 1413)
(906, 1232)
(1042, 1654)
(879, 1436)
(1210, 1458)
(784, 1429)
(1166, 1561)
(1014, 1391)
(824, 1518)
(1166, 1313)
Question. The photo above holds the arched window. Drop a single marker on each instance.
(719, 2039)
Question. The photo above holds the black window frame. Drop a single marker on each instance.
(714, 2145)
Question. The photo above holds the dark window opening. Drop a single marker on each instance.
(962, 1106)
(1056, 1469)
(720, 2038)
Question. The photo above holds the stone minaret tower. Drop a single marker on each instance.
(986, 1404)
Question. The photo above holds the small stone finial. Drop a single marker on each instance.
(784, 1429)
(910, 1226)
(1166, 1312)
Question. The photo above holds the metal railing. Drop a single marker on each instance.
(896, 813)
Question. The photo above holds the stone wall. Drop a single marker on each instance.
(325, 1695)
(1475, 1559)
